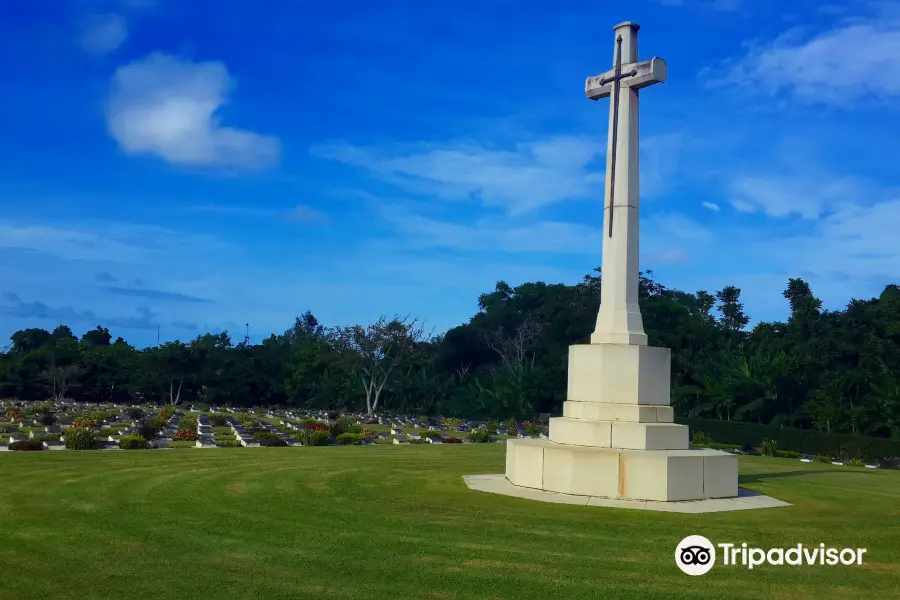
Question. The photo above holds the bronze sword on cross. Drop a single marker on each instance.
(631, 74)
(616, 80)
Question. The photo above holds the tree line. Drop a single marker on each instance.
(833, 371)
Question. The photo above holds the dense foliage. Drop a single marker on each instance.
(837, 372)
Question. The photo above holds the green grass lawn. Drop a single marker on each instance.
(397, 522)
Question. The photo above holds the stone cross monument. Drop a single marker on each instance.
(617, 437)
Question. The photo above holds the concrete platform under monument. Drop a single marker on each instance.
(745, 500)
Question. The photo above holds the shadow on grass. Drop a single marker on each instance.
(757, 477)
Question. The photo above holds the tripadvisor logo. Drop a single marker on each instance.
(696, 555)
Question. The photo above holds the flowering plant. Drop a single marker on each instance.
(85, 423)
(317, 427)
(184, 435)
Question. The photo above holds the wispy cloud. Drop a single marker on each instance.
(492, 236)
(520, 178)
(151, 294)
(168, 107)
(803, 195)
(17, 308)
(103, 34)
(106, 277)
(856, 61)
(711, 206)
(703, 4)
(299, 213)
(102, 242)
(303, 213)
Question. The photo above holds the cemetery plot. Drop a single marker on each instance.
(28, 426)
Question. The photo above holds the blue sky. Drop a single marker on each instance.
(198, 165)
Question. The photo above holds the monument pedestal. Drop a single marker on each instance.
(617, 439)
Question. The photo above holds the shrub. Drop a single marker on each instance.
(81, 438)
(725, 447)
(804, 441)
(26, 446)
(309, 421)
(187, 423)
(264, 435)
(203, 407)
(42, 408)
(218, 420)
(418, 441)
(136, 413)
(247, 420)
(354, 429)
(368, 434)
(700, 438)
(46, 437)
(185, 435)
(85, 423)
(452, 424)
(100, 415)
(273, 441)
(14, 414)
(228, 444)
(133, 442)
(451, 440)
(532, 430)
(787, 454)
(148, 428)
(855, 462)
(311, 437)
(341, 425)
(346, 439)
(769, 448)
(318, 427)
(47, 418)
(823, 458)
(480, 436)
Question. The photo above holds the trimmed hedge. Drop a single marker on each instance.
(804, 441)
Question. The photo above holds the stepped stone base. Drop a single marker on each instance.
(652, 475)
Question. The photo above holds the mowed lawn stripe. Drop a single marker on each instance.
(398, 522)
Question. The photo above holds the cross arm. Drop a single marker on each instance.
(638, 75)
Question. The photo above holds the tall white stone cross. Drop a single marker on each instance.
(619, 319)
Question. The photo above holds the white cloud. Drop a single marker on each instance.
(103, 34)
(856, 61)
(168, 107)
(711, 206)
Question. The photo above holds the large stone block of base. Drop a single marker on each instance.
(619, 374)
(602, 411)
(658, 475)
(618, 434)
